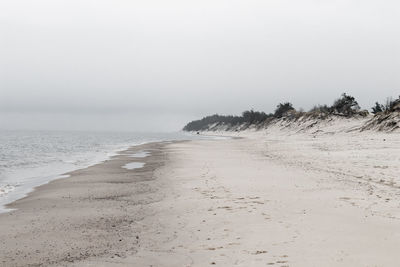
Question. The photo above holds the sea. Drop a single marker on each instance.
(32, 158)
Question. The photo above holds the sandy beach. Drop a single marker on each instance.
(263, 200)
(199, 133)
(94, 213)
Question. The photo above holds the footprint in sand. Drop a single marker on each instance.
(258, 252)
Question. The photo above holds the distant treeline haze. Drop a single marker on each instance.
(345, 106)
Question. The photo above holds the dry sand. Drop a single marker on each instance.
(266, 200)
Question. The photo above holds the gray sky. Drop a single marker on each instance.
(154, 65)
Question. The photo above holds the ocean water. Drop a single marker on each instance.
(31, 158)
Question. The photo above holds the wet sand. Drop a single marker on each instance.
(96, 212)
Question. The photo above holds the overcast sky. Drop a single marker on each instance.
(154, 65)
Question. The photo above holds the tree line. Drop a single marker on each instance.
(346, 106)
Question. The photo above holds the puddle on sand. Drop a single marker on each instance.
(133, 165)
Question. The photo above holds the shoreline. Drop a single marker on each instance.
(21, 172)
(91, 213)
(22, 189)
(29, 186)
